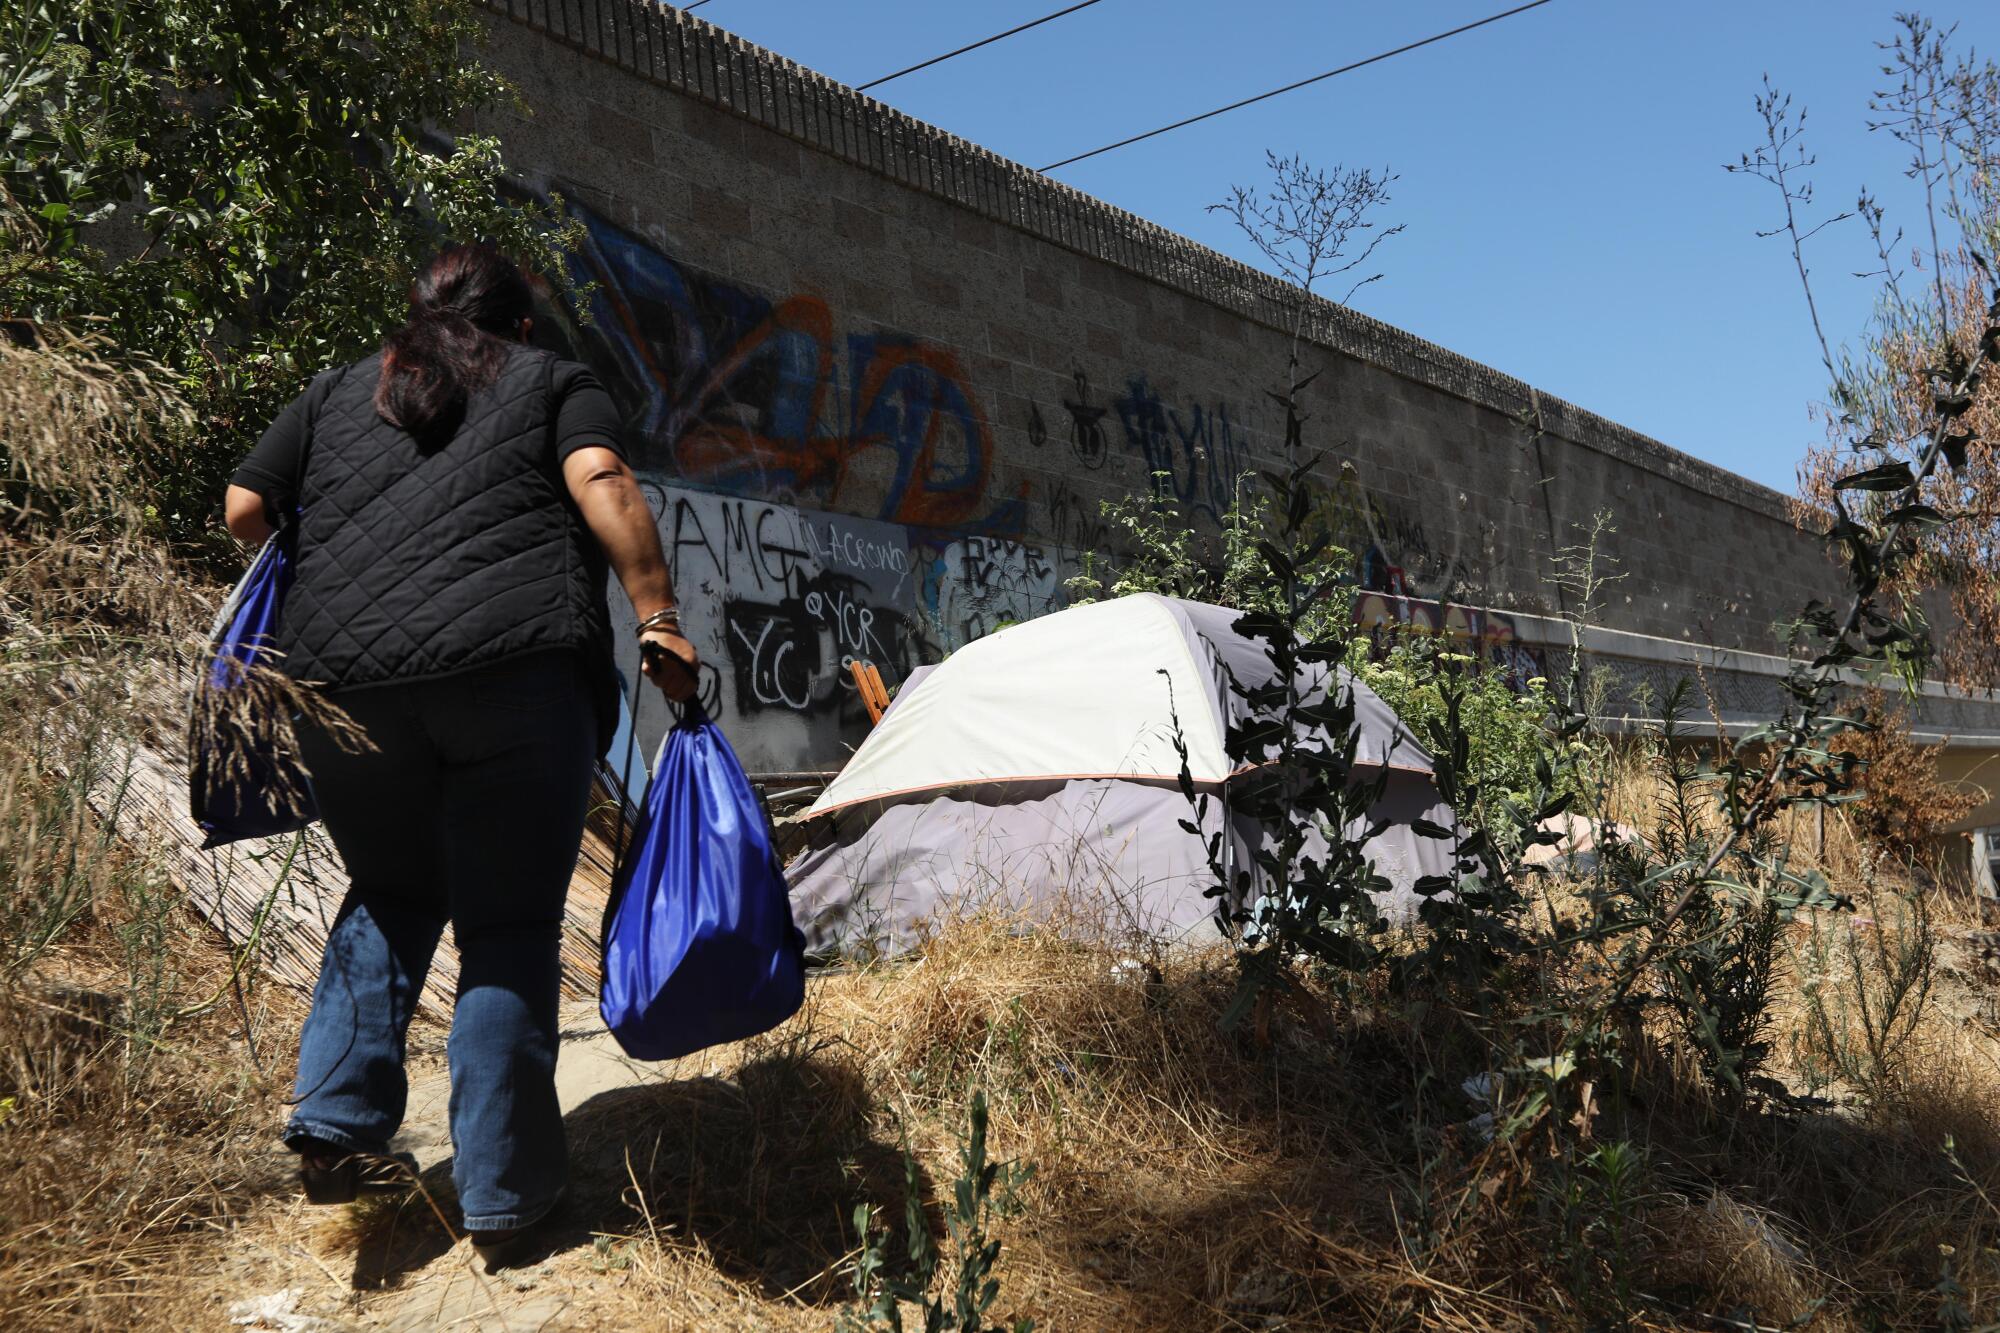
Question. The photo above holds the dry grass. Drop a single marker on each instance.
(1189, 1179)
(84, 429)
(1185, 1178)
(138, 1066)
(86, 437)
(126, 1153)
(133, 1107)
(134, 1097)
(250, 711)
(1335, 1177)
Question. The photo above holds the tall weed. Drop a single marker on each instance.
(127, 1097)
(1866, 985)
(982, 1191)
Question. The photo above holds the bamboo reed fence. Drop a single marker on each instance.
(278, 896)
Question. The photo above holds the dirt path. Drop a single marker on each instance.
(388, 1263)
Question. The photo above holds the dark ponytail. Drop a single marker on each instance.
(462, 309)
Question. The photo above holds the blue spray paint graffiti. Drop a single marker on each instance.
(735, 392)
(1194, 457)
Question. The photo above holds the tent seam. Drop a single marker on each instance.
(1206, 783)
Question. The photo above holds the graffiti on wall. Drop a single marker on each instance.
(984, 583)
(780, 601)
(1077, 526)
(828, 495)
(1086, 424)
(1394, 551)
(1196, 453)
(733, 391)
(1489, 635)
(1193, 453)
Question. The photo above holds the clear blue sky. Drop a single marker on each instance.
(1568, 218)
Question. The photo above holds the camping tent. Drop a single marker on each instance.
(1036, 770)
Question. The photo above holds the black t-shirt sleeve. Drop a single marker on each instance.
(585, 414)
(275, 468)
(272, 468)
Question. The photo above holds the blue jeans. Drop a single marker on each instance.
(469, 812)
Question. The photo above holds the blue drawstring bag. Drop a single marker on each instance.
(699, 945)
(236, 800)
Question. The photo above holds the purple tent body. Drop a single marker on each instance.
(1035, 774)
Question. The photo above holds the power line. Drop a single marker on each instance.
(689, 9)
(1293, 87)
(984, 41)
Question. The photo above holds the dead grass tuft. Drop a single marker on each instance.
(1719, 1243)
(135, 1101)
(249, 712)
(134, 1112)
(1336, 1178)
(86, 429)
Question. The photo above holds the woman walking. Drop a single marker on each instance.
(459, 500)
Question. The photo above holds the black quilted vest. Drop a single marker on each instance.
(418, 560)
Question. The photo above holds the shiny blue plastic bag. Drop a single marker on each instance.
(244, 805)
(699, 945)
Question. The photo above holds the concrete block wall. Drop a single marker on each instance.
(872, 368)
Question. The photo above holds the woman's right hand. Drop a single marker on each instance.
(674, 665)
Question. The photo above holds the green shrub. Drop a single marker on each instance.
(1166, 553)
(1508, 728)
(241, 193)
